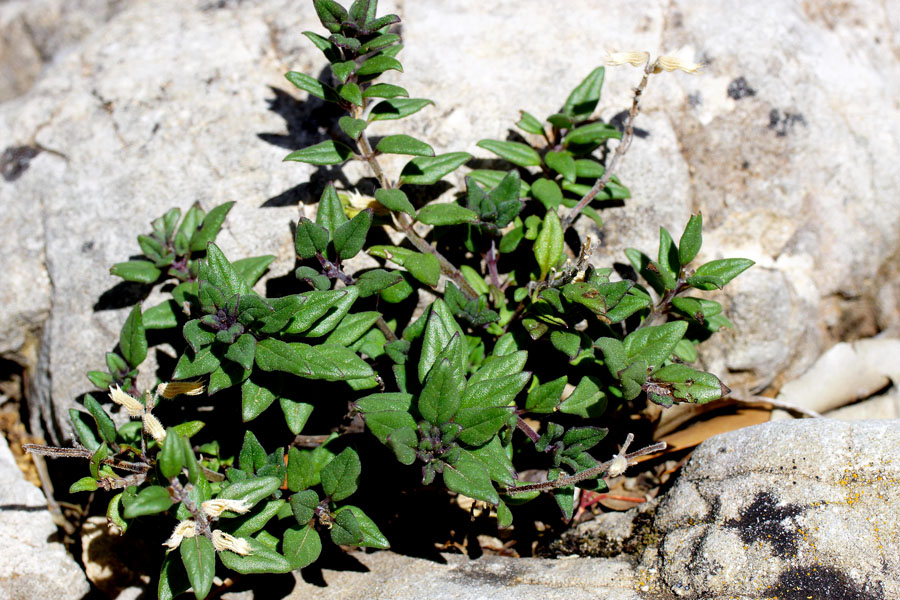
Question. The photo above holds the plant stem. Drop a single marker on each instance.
(525, 428)
(382, 325)
(591, 473)
(620, 151)
(403, 221)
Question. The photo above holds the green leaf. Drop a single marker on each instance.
(480, 424)
(196, 335)
(242, 351)
(395, 200)
(189, 429)
(545, 397)
(583, 99)
(83, 431)
(470, 478)
(330, 214)
(547, 192)
(563, 163)
(262, 559)
(494, 458)
(343, 70)
(371, 535)
(321, 311)
(303, 506)
(390, 109)
(426, 170)
(352, 127)
(105, 425)
(379, 64)
(199, 558)
(500, 366)
(548, 247)
(381, 23)
(352, 327)
(173, 580)
(217, 271)
(295, 414)
(170, 458)
(404, 144)
(591, 134)
(331, 14)
(328, 152)
(568, 343)
(440, 329)
(162, 316)
(716, 273)
(587, 401)
(345, 529)
(140, 271)
(350, 237)
(311, 85)
(347, 362)
(379, 42)
(517, 153)
(252, 456)
(439, 399)
(149, 501)
(250, 490)
(527, 122)
(97, 459)
(654, 344)
(641, 263)
(668, 266)
(686, 384)
(256, 520)
(209, 229)
(85, 484)
(376, 280)
(691, 239)
(492, 178)
(340, 477)
(698, 308)
(385, 90)
(351, 93)
(446, 214)
(254, 400)
(424, 267)
(302, 546)
(193, 364)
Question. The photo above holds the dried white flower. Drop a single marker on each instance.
(154, 428)
(619, 463)
(674, 62)
(178, 388)
(635, 59)
(356, 203)
(131, 405)
(185, 529)
(223, 541)
(215, 508)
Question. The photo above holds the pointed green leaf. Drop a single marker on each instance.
(397, 108)
(352, 127)
(105, 425)
(547, 192)
(149, 501)
(395, 200)
(199, 558)
(209, 228)
(545, 397)
(429, 170)
(302, 546)
(340, 477)
(193, 364)
(254, 400)
(548, 247)
(716, 273)
(371, 535)
(404, 144)
(527, 122)
(583, 99)
(164, 315)
(351, 93)
(654, 344)
(350, 237)
(691, 239)
(330, 213)
(379, 64)
(311, 85)
(591, 134)
(517, 153)
(470, 478)
(324, 153)
(563, 163)
(447, 213)
(385, 90)
(262, 559)
(139, 271)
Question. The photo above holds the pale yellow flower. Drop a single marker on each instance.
(185, 529)
(154, 428)
(673, 62)
(177, 388)
(215, 508)
(635, 59)
(353, 203)
(131, 405)
(223, 541)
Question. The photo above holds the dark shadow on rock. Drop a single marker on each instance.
(333, 559)
(310, 191)
(308, 121)
(123, 295)
(618, 121)
(265, 585)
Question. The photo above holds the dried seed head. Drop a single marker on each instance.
(620, 463)
(178, 388)
(215, 508)
(185, 529)
(635, 59)
(223, 541)
(154, 428)
(131, 405)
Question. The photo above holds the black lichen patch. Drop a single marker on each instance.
(764, 521)
(739, 88)
(782, 123)
(800, 583)
(15, 160)
(598, 545)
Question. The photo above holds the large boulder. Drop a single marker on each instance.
(786, 143)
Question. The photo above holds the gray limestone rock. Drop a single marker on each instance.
(32, 564)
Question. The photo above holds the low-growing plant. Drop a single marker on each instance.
(462, 332)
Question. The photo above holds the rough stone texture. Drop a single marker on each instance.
(784, 509)
(32, 564)
(388, 575)
(786, 143)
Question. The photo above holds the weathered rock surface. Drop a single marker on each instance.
(783, 510)
(32, 563)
